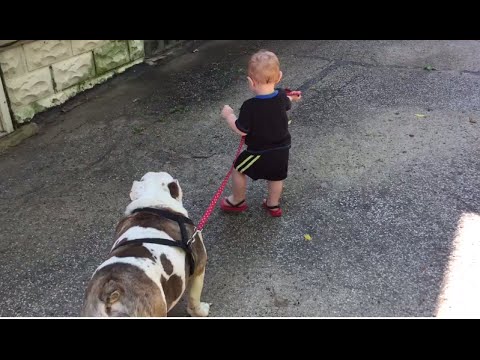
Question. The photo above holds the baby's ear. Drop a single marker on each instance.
(280, 75)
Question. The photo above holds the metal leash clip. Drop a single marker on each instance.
(193, 238)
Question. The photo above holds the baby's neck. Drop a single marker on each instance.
(265, 89)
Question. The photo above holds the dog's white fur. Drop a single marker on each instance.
(153, 191)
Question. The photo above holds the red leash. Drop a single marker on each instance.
(219, 192)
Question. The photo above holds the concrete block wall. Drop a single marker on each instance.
(43, 73)
(154, 46)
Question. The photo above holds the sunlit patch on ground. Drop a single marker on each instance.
(460, 295)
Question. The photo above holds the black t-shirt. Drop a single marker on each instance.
(264, 120)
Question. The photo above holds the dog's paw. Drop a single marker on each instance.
(200, 311)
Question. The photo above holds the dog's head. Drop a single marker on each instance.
(154, 184)
(156, 189)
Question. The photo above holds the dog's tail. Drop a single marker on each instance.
(111, 293)
(121, 290)
(104, 298)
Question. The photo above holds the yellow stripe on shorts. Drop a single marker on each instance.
(243, 162)
(250, 163)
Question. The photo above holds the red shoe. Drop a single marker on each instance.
(227, 206)
(274, 211)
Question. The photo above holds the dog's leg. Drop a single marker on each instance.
(195, 307)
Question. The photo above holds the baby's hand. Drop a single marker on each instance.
(295, 97)
(227, 111)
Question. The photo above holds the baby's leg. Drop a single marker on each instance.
(274, 192)
(239, 187)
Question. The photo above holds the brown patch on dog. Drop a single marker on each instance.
(133, 250)
(122, 241)
(174, 190)
(145, 220)
(187, 270)
(167, 264)
(123, 290)
(199, 254)
(172, 288)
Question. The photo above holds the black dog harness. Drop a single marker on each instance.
(183, 244)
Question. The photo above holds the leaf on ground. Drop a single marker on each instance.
(179, 108)
(307, 237)
(138, 130)
(429, 68)
(420, 115)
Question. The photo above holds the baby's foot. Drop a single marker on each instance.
(229, 206)
(275, 211)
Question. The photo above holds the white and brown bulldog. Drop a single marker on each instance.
(150, 265)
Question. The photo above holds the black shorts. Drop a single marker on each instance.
(271, 165)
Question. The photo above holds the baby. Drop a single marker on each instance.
(264, 123)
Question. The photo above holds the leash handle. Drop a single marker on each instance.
(293, 92)
(219, 192)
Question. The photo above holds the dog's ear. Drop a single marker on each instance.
(137, 190)
(174, 189)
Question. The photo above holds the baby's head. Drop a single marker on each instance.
(263, 70)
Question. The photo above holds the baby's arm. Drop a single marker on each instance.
(229, 116)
